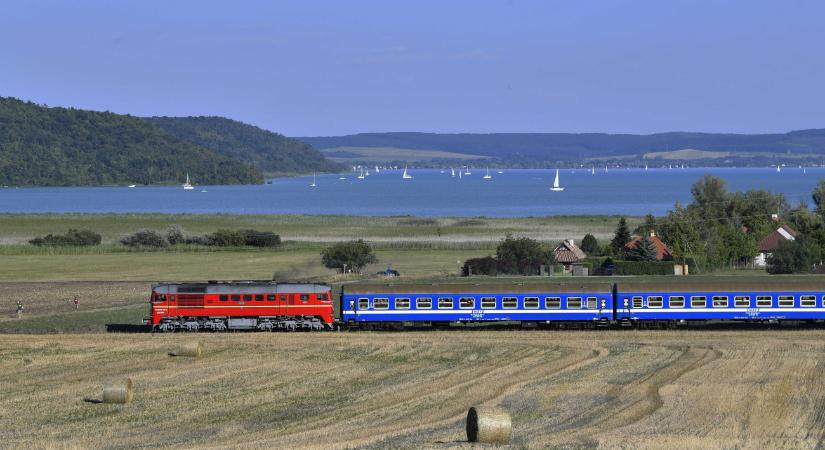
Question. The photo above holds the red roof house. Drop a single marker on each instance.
(662, 252)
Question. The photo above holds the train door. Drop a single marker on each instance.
(281, 304)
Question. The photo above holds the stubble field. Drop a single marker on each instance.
(612, 389)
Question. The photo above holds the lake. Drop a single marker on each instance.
(513, 193)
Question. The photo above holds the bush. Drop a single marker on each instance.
(175, 235)
(643, 267)
(227, 238)
(72, 237)
(353, 254)
(256, 238)
(145, 238)
(480, 266)
(798, 256)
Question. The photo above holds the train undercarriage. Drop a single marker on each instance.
(221, 323)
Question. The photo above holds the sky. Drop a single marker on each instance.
(323, 68)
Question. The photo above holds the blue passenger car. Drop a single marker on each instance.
(730, 300)
(465, 302)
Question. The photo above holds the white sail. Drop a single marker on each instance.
(313, 180)
(376, 170)
(452, 172)
(593, 170)
(556, 187)
(361, 175)
(488, 177)
(188, 186)
(406, 176)
(778, 169)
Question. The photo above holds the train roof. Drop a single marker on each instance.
(253, 287)
(726, 284)
(578, 285)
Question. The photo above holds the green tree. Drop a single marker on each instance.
(590, 244)
(521, 255)
(643, 250)
(819, 198)
(797, 256)
(353, 254)
(620, 238)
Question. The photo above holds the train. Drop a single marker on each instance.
(270, 306)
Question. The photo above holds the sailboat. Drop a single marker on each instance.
(452, 172)
(488, 177)
(367, 173)
(778, 169)
(556, 187)
(132, 185)
(361, 175)
(376, 170)
(406, 176)
(467, 171)
(459, 174)
(593, 170)
(187, 186)
(645, 166)
(313, 180)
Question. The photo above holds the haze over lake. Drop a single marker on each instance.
(514, 193)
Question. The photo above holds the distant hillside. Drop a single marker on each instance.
(65, 146)
(542, 147)
(271, 152)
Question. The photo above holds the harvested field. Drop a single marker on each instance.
(628, 389)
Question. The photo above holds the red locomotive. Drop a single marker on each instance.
(240, 305)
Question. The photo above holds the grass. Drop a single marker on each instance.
(628, 389)
(19, 228)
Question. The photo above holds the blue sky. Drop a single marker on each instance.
(309, 68)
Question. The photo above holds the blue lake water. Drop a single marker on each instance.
(514, 193)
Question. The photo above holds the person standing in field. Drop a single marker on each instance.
(76, 302)
(19, 309)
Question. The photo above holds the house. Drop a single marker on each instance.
(770, 243)
(662, 251)
(568, 253)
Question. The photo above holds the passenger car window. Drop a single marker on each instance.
(381, 303)
(467, 303)
(552, 302)
(574, 302)
(424, 303)
(638, 302)
(807, 301)
(655, 302)
(531, 302)
(720, 301)
(677, 301)
(764, 301)
(509, 302)
(786, 301)
(402, 303)
(363, 303)
(592, 303)
(488, 303)
(742, 301)
(699, 301)
(445, 303)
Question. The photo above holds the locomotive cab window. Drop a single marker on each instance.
(720, 301)
(742, 301)
(638, 302)
(574, 302)
(677, 301)
(381, 303)
(363, 303)
(699, 301)
(488, 303)
(224, 298)
(655, 302)
(424, 303)
(592, 303)
(445, 303)
(259, 298)
(402, 303)
(786, 301)
(764, 301)
(552, 303)
(323, 297)
(807, 301)
(467, 303)
(531, 302)
(304, 298)
(509, 302)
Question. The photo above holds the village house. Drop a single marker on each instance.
(662, 251)
(568, 253)
(770, 243)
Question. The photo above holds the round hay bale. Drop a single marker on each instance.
(118, 393)
(193, 349)
(489, 425)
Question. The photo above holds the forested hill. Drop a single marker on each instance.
(271, 152)
(63, 146)
(576, 147)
